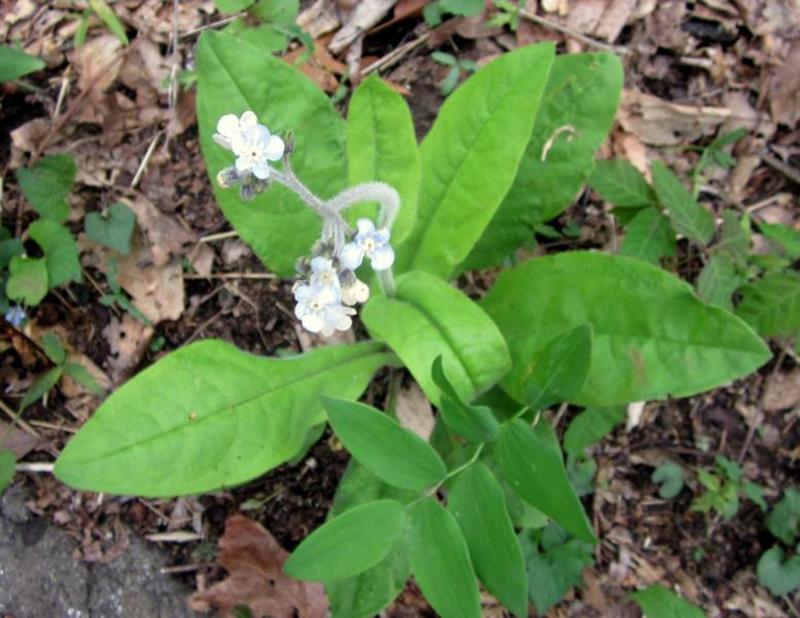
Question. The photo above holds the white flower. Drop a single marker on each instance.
(251, 142)
(254, 148)
(354, 291)
(370, 242)
(323, 273)
(320, 310)
(230, 126)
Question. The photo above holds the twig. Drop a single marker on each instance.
(232, 276)
(62, 92)
(145, 160)
(617, 49)
(775, 163)
(184, 568)
(395, 55)
(36, 466)
(215, 24)
(219, 236)
(172, 94)
(12, 415)
(53, 426)
(178, 536)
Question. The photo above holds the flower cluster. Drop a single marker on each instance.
(328, 289)
(326, 297)
(254, 146)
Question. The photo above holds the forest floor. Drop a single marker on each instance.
(693, 71)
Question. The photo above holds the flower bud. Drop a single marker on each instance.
(228, 177)
(354, 291)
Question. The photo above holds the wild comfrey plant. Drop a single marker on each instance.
(489, 498)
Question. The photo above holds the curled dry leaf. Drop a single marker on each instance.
(128, 339)
(254, 561)
(660, 123)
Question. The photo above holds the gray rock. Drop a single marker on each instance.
(40, 579)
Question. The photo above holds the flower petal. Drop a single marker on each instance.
(351, 256)
(274, 148)
(319, 264)
(314, 323)
(243, 164)
(222, 140)
(365, 227)
(261, 170)
(382, 258)
(247, 121)
(228, 125)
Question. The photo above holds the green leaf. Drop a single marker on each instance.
(113, 229)
(649, 237)
(443, 58)
(282, 12)
(368, 593)
(210, 416)
(440, 562)
(787, 238)
(531, 463)
(106, 13)
(60, 251)
(718, 281)
(784, 520)
(470, 156)
(51, 345)
(9, 247)
(47, 184)
(688, 217)
(234, 76)
(619, 182)
(429, 318)
(41, 386)
(8, 464)
(81, 375)
(659, 602)
(232, 6)
(576, 113)
(15, 63)
(771, 305)
(652, 337)
(755, 493)
(477, 502)
(27, 281)
(590, 426)
(350, 543)
(781, 577)
(734, 242)
(391, 452)
(476, 423)
(669, 476)
(558, 371)
(382, 146)
(466, 8)
(553, 570)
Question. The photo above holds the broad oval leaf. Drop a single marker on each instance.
(590, 426)
(470, 156)
(210, 416)
(653, 338)
(477, 502)
(429, 318)
(440, 562)
(779, 574)
(649, 237)
(575, 115)
(391, 452)
(718, 281)
(382, 145)
(559, 371)
(350, 543)
(47, 185)
(532, 465)
(687, 215)
(27, 279)
(235, 76)
(475, 423)
(771, 305)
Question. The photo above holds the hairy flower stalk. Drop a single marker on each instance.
(328, 288)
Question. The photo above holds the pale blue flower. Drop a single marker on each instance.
(371, 243)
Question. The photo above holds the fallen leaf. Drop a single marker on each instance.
(617, 14)
(18, 442)
(97, 64)
(128, 339)
(784, 88)
(783, 391)
(320, 18)
(254, 561)
(167, 236)
(366, 14)
(414, 411)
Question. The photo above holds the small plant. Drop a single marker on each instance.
(436, 10)
(779, 573)
(449, 83)
(723, 487)
(374, 227)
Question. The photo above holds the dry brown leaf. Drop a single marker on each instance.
(320, 18)
(166, 235)
(617, 14)
(783, 391)
(155, 286)
(97, 64)
(784, 88)
(26, 138)
(254, 561)
(366, 14)
(661, 123)
(414, 411)
(18, 442)
(128, 340)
